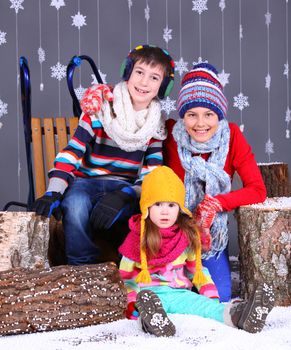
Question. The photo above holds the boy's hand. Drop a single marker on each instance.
(48, 204)
(93, 98)
(114, 205)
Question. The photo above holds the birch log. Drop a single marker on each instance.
(24, 240)
(61, 297)
(264, 235)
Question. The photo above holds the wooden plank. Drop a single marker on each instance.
(62, 137)
(73, 123)
(38, 162)
(49, 139)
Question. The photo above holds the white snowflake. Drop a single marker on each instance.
(167, 34)
(3, 108)
(268, 81)
(58, 4)
(286, 70)
(147, 13)
(288, 115)
(58, 71)
(240, 101)
(222, 4)
(16, 5)
(240, 32)
(223, 78)
(102, 75)
(41, 54)
(269, 147)
(287, 134)
(200, 60)
(181, 66)
(242, 127)
(79, 92)
(129, 4)
(2, 38)
(168, 105)
(268, 17)
(199, 6)
(79, 20)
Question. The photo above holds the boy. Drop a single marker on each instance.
(96, 179)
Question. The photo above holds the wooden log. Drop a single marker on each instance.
(24, 240)
(62, 297)
(264, 236)
(276, 179)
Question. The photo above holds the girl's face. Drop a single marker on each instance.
(164, 214)
(144, 84)
(201, 123)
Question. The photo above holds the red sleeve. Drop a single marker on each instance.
(170, 151)
(241, 159)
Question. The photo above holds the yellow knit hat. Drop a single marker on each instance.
(162, 185)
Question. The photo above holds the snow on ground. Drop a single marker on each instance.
(193, 332)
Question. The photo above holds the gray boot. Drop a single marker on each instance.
(153, 317)
(251, 315)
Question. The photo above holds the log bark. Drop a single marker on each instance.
(264, 236)
(276, 179)
(24, 240)
(61, 297)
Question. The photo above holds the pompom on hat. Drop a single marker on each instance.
(162, 185)
(201, 88)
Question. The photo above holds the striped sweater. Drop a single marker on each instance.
(92, 153)
(176, 274)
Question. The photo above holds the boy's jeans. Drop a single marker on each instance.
(79, 200)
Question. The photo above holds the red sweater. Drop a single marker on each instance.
(240, 159)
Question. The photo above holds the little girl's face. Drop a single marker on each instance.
(164, 214)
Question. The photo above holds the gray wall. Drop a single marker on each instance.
(114, 44)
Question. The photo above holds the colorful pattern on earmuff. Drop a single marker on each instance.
(167, 83)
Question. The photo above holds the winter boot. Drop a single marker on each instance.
(153, 317)
(251, 315)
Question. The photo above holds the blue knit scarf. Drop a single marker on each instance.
(206, 176)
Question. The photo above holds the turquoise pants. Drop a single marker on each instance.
(184, 301)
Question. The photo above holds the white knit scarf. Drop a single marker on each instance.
(131, 130)
(206, 176)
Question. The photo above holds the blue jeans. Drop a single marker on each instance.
(219, 269)
(79, 200)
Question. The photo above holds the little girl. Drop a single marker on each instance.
(161, 260)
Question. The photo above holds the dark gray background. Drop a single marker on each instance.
(114, 46)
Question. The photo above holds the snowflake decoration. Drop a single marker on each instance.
(288, 115)
(268, 81)
(147, 13)
(41, 54)
(286, 70)
(168, 105)
(2, 38)
(129, 4)
(242, 127)
(16, 5)
(240, 101)
(181, 66)
(80, 92)
(167, 34)
(199, 6)
(240, 32)
(222, 4)
(287, 134)
(200, 60)
(58, 71)
(269, 147)
(58, 4)
(223, 78)
(3, 108)
(79, 20)
(268, 18)
(94, 79)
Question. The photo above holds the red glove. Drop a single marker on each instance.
(131, 312)
(93, 98)
(204, 216)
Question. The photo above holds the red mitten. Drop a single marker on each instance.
(93, 98)
(131, 312)
(204, 216)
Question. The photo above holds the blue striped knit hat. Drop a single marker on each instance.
(202, 88)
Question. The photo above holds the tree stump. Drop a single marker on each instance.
(276, 179)
(264, 236)
(24, 240)
(62, 297)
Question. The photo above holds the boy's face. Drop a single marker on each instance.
(164, 214)
(144, 83)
